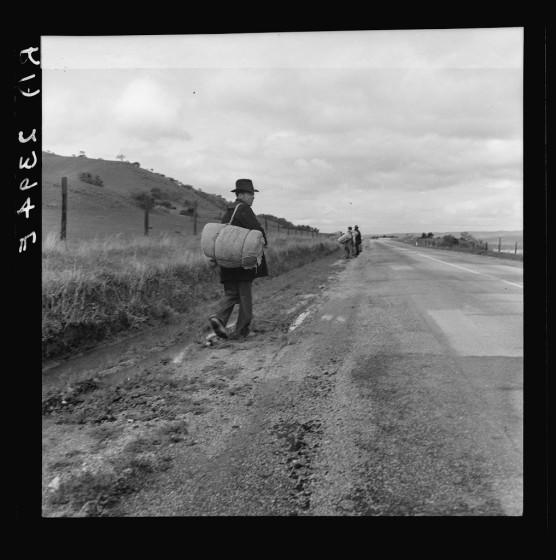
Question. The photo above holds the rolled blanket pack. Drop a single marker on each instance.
(232, 246)
(344, 238)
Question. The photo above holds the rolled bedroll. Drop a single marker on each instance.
(232, 246)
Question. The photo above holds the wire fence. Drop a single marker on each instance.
(498, 246)
(157, 220)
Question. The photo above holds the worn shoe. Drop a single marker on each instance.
(218, 327)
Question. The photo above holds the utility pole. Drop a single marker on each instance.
(64, 207)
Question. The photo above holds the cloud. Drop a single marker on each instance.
(385, 129)
(147, 110)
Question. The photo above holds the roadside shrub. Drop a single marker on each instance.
(87, 177)
(166, 204)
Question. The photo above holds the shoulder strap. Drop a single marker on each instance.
(234, 212)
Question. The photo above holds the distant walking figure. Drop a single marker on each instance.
(237, 281)
(350, 249)
(357, 240)
(343, 239)
(346, 239)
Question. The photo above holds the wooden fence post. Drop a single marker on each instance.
(499, 244)
(147, 219)
(515, 249)
(195, 217)
(64, 207)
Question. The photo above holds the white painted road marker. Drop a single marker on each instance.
(413, 252)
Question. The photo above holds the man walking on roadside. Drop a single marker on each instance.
(238, 281)
(357, 240)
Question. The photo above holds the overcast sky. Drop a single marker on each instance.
(396, 131)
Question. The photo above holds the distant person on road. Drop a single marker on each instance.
(346, 240)
(238, 281)
(357, 240)
(350, 250)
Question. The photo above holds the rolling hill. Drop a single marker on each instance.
(101, 203)
(97, 211)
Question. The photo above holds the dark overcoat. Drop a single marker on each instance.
(244, 217)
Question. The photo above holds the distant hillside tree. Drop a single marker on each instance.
(449, 240)
(144, 200)
(156, 192)
(188, 208)
(81, 153)
(121, 157)
(467, 239)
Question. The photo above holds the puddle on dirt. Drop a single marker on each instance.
(299, 320)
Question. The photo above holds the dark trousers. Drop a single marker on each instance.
(237, 293)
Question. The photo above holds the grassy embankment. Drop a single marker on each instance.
(95, 289)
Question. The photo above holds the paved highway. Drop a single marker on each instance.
(433, 386)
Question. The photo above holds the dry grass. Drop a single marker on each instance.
(95, 288)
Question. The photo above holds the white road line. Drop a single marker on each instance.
(466, 269)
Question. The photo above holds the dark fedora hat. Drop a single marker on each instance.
(244, 185)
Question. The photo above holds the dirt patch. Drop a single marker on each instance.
(146, 396)
(83, 492)
(300, 441)
(69, 397)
